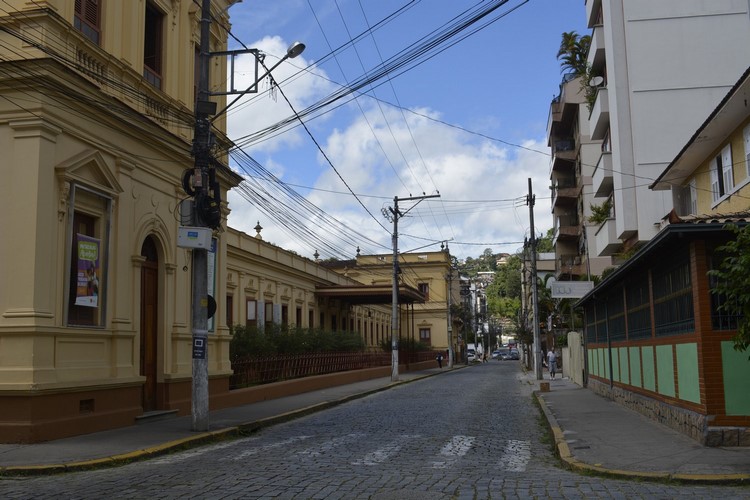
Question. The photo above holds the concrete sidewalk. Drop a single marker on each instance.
(591, 434)
(595, 434)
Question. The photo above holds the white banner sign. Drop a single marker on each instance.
(571, 289)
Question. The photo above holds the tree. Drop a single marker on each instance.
(572, 55)
(731, 282)
(573, 52)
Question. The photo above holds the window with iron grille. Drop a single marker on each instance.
(590, 324)
(673, 297)
(616, 315)
(638, 307)
(86, 19)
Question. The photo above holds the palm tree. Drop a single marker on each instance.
(573, 52)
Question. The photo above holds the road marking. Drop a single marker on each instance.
(328, 445)
(516, 456)
(186, 455)
(268, 447)
(380, 455)
(456, 448)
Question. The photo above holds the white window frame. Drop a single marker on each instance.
(746, 135)
(727, 168)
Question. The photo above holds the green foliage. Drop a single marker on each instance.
(600, 213)
(731, 281)
(573, 51)
(280, 339)
(544, 244)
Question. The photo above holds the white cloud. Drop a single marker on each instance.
(377, 157)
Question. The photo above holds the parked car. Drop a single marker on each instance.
(514, 354)
(495, 354)
(471, 355)
(503, 354)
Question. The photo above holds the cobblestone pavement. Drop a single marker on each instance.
(468, 434)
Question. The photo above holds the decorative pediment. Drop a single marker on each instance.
(89, 168)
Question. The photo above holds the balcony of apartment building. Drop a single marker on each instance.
(569, 266)
(593, 12)
(602, 180)
(595, 57)
(599, 117)
(565, 191)
(607, 243)
(567, 228)
(563, 155)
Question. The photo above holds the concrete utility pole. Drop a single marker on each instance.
(450, 318)
(395, 320)
(202, 155)
(534, 289)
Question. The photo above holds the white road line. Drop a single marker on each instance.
(516, 456)
(456, 448)
(268, 447)
(328, 445)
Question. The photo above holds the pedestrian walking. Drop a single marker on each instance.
(440, 361)
(552, 363)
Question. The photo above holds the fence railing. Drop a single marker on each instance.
(257, 370)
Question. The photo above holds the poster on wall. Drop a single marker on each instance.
(88, 271)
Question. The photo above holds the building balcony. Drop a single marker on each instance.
(567, 228)
(607, 243)
(596, 57)
(565, 192)
(593, 11)
(599, 117)
(570, 265)
(603, 179)
(564, 155)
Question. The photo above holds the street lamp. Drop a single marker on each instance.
(207, 214)
(295, 49)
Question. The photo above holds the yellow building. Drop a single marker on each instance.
(96, 127)
(427, 272)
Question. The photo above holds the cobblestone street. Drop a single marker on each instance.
(469, 434)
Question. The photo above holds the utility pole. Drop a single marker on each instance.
(395, 320)
(450, 318)
(202, 154)
(534, 289)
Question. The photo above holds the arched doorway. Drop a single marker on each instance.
(149, 321)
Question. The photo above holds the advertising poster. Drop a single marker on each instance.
(88, 272)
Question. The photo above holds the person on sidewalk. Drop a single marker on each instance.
(440, 361)
(552, 363)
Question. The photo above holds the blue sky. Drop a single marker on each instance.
(467, 120)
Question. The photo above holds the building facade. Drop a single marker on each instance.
(574, 160)
(96, 126)
(429, 274)
(657, 339)
(663, 66)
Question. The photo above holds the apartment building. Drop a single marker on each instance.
(574, 160)
(662, 67)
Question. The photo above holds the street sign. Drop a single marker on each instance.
(199, 347)
(570, 289)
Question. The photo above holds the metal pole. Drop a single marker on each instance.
(200, 256)
(534, 290)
